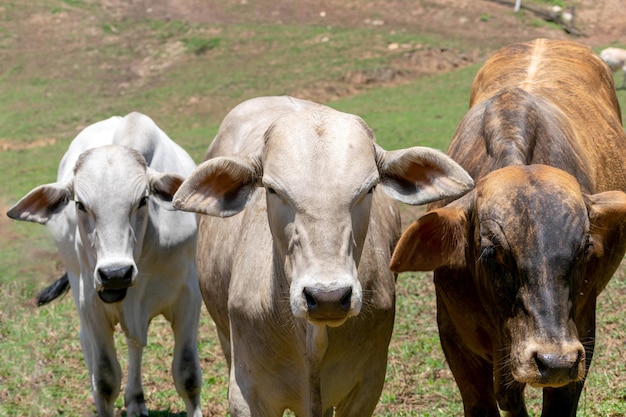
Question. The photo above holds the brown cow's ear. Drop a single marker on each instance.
(219, 187)
(606, 210)
(607, 227)
(42, 203)
(607, 218)
(436, 239)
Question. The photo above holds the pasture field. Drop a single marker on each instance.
(66, 64)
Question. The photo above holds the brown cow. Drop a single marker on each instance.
(520, 260)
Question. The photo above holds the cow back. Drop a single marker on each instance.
(545, 102)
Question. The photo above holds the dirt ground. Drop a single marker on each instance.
(57, 41)
(601, 21)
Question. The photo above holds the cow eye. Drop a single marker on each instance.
(80, 206)
(143, 202)
(371, 190)
(271, 190)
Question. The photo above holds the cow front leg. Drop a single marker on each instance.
(243, 398)
(133, 396)
(473, 375)
(104, 369)
(186, 364)
(106, 375)
(561, 402)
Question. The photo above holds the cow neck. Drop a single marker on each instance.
(316, 346)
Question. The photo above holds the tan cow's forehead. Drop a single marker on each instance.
(319, 143)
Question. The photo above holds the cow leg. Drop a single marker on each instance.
(473, 375)
(98, 347)
(105, 370)
(511, 397)
(186, 364)
(564, 401)
(133, 396)
(362, 400)
(561, 402)
(243, 401)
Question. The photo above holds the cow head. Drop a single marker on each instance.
(532, 243)
(110, 190)
(319, 170)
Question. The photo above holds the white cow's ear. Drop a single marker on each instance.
(42, 203)
(163, 186)
(421, 175)
(219, 187)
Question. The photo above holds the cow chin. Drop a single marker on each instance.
(328, 322)
(112, 296)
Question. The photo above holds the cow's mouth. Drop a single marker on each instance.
(112, 296)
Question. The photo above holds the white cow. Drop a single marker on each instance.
(129, 255)
(298, 282)
(615, 58)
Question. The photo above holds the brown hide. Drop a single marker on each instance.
(520, 260)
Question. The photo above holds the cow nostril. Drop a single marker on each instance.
(310, 300)
(346, 300)
(541, 364)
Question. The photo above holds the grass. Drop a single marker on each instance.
(195, 74)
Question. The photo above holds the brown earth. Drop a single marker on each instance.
(58, 44)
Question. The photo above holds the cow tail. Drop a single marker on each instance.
(53, 291)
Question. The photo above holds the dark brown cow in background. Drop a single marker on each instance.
(520, 260)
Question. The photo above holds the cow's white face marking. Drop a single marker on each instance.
(111, 196)
(319, 211)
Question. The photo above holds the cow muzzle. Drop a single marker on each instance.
(115, 281)
(326, 304)
(551, 365)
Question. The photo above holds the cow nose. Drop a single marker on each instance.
(326, 304)
(555, 368)
(116, 278)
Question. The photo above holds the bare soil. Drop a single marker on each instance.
(58, 43)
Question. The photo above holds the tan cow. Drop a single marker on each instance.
(298, 282)
(520, 260)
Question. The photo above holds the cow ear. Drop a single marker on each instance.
(421, 175)
(607, 219)
(219, 187)
(436, 239)
(163, 186)
(42, 203)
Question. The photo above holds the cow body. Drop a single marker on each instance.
(129, 256)
(520, 260)
(297, 280)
